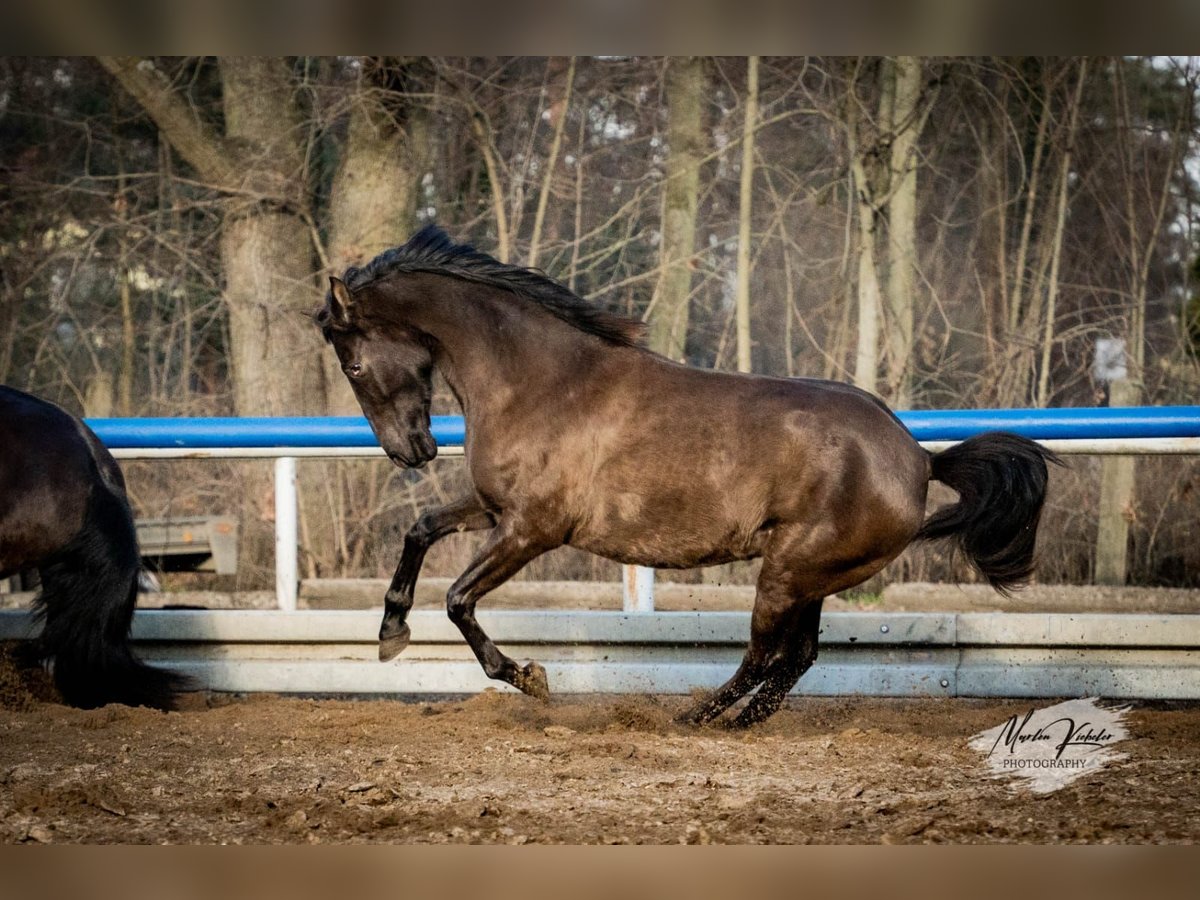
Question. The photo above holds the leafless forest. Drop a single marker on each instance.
(946, 232)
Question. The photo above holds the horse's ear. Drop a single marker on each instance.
(341, 304)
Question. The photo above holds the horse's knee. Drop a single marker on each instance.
(458, 606)
(421, 532)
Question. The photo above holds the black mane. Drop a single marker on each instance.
(432, 250)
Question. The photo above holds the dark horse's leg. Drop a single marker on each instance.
(783, 627)
(799, 653)
(770, 624)
(462, 515)
(505, 553)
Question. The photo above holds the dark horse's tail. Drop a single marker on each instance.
(89, 589)
(1001, 483)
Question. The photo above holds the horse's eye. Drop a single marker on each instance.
(354, 370)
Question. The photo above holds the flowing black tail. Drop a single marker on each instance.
(89, 589)
(1001, 483)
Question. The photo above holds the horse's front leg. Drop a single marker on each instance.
(462, 515)
(506, 552)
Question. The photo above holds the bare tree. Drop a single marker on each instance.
(745, 211)
(266, 242)
(685, 140)
(909, 111)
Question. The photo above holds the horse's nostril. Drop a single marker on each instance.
(424, 446)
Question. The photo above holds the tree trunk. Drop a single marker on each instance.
(884, 179)
(275, 351)
(866, 356)
(745, 215)
(906, 126)
(1043, 394)
(1031, 192)
(266, 244)
(563, 106)
(375, 193)
(1017, 379)
(125, 294)
(669, 318)
(378, 180)
(266, 247)
(1118, 497)
(98, 397)
(866, 183)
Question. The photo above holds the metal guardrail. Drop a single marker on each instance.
(883, 654)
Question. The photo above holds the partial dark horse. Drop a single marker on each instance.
(577, 434)
(63, 511)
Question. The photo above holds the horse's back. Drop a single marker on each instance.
(785, 420)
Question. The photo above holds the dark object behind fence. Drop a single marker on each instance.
(63, 511)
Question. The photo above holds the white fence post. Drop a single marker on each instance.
(287, 569)
(637, 588)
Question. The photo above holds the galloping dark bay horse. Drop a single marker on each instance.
(577, 434)
(63, 511)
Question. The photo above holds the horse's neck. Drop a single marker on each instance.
(488, 346)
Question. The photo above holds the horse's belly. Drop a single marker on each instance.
(677, 546)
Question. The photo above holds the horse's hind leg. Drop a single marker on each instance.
(772, 621)
(505, 553)
(798, 656)
(791, 579)
(787, 609)
(462, 515)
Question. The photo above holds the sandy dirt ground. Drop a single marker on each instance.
(499, 768)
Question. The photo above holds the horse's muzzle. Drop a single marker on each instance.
(421, 449)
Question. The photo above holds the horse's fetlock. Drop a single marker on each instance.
(398, 601)
(500, 670)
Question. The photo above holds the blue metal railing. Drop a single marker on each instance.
(449, 431)
(259, 431)
(1086, 423)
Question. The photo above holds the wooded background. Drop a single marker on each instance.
(946, 232)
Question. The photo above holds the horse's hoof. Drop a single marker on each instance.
(390, 647)
(693, 718)
(533, 682)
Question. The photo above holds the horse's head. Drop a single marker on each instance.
(389, 370)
